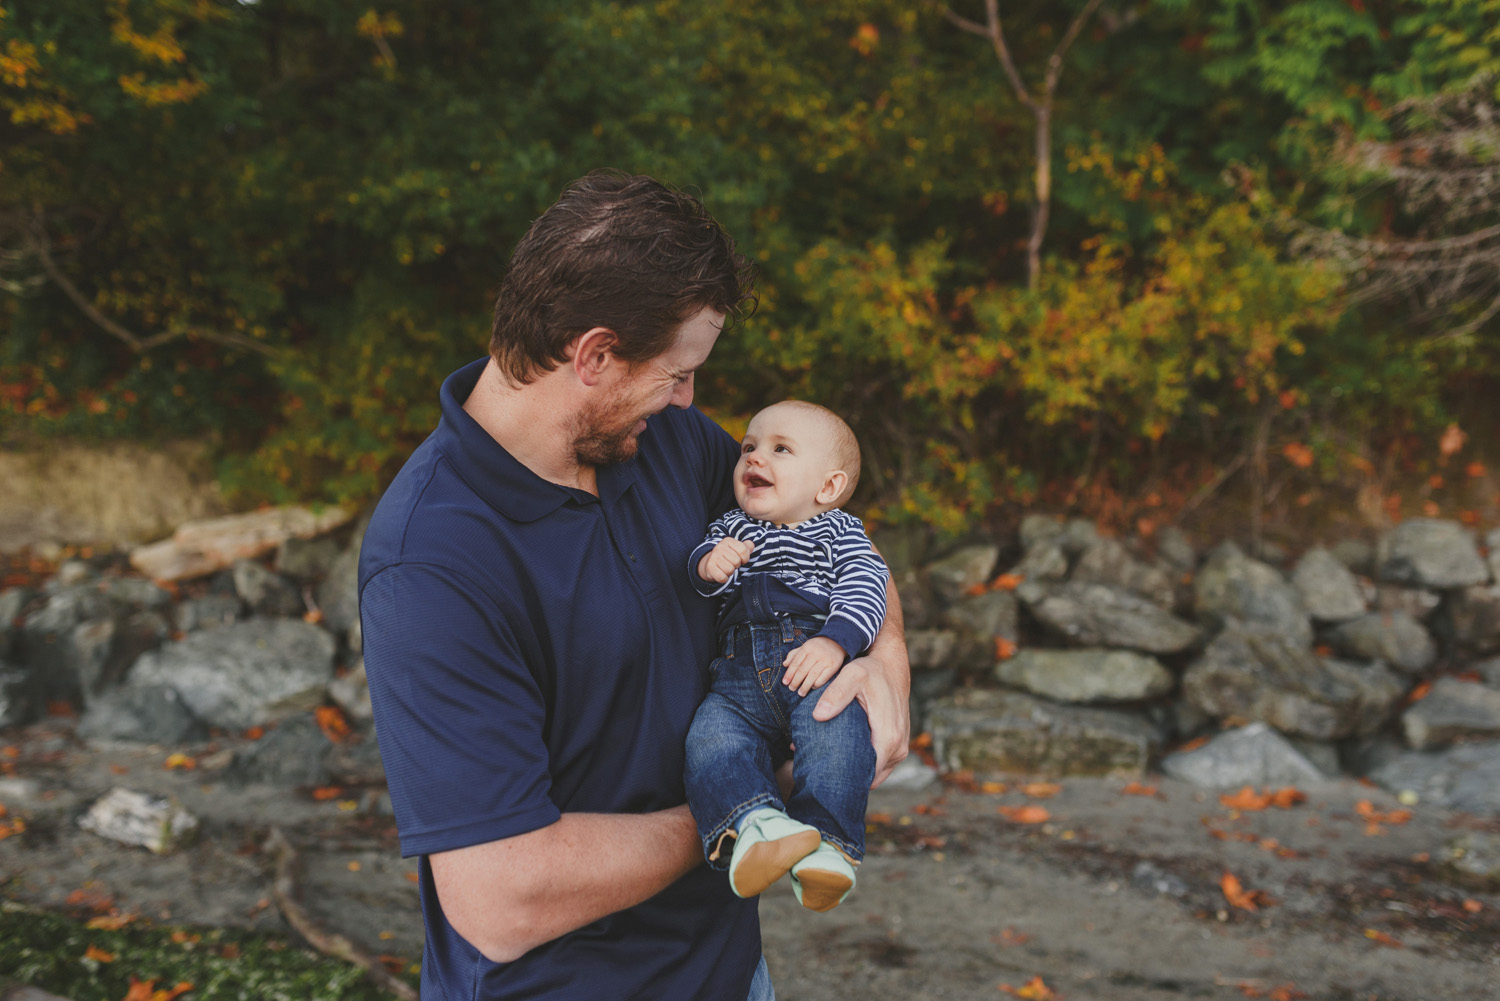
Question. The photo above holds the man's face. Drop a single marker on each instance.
(785, 459)
(607, 432)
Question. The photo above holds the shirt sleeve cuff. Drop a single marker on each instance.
(847, 635)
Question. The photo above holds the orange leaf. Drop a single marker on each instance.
(1474, 470)
(1473, 906)
(1193, 744)
(95, 953)
(1247, 800)
(993, 788)
(1035, 990)
(140, 990)
(1041, 790)
(1238, 896)
(333, 722)
(1288, 797)
(1007, 582)
(1140, 789)
(255, 733)
(1382, 938)
(921, 740)
(181, 988)
(1004, 648)
(1417, 694)
(1025, 814)
(313, 616)
(180, 760)
(327, 792)
(1452, 440)
(1298, 454)
(111, 922)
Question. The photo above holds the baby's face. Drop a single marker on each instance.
(785, 460)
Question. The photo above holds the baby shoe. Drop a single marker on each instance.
(823, 878)
(769, 843)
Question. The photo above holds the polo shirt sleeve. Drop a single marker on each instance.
(459, 717)
(718, 452)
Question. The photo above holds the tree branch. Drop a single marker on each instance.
(997, 39)
(1055, 61)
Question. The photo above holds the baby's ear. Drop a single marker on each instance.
(833, 487)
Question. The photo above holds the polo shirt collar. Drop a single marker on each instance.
(498, 477)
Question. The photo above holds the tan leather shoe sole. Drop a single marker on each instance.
(823, 890)
(765, 863)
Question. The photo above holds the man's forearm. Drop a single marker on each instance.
(507, 897)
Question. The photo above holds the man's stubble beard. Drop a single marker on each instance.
(603, 435)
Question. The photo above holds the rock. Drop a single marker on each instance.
(138, 818)
(1356, 554)
(930, 649)
(1492, 552)
(1251, 755)
(338, 595)
(12, 602)
(18, 704)
(266, 593)
(243, 675)
(1044, 562)
(306, 559)
(201, 547)
(79, 644)
(150, 714)
(294, 754)
(20, 793)
(1393, 637)
(1427, 552)
(1173, 547)
(1108, 562)
(912, 774)
(993, 731)
(1077, 536)
(988, 616)
(918, 606)
(1473, 617)
(1452, 710)
(955, 574)
(208, 612)
(135, 593)
(1414, 601)
(1232, 586)
(1086, 676)
(1464, 777)
(1098, 616)
(1325, 757)
(71, 572)
(1473, 859)
(1489, 670)
(1329, 591)
(355, 761)
(1150, 878)
(1255, 674)
(1037, 529)
(351, 693)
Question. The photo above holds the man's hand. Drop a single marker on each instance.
(812, 664)
(727, 556)
(881, 682)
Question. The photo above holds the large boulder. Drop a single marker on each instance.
(1086, 676)
(246, 674)
(149, 714)
(1232, 587)
(1464, 777)
(1473, 617)
(1330, 593)
(993, 731)
(1453, 710)
(1108, 562)
(1427, 552)
(1393, 637)
(266, 592)
(1256, 674)
(1093, 615)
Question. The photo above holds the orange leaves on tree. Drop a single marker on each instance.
(98, 955)
(865, 38)
(1238, 896)
(1247, 800)
(1034, 990)
(333, 722)
(1381, 938)
(1474, 470)
(1030, 814)
(145, 990)
(1298, 454)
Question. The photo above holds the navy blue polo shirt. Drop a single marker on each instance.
(533, 649)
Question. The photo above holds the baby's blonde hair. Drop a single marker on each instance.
(841, 441)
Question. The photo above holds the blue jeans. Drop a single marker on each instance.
(760, 987)
(744, 729)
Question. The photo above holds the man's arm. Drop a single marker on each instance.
(509, 896)
(881, 682)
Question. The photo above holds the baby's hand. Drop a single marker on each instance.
(727, 556)
(812, 664)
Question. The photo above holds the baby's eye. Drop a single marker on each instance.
(746, 448)
(782, 448)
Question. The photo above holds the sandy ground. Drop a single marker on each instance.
(1115, 896)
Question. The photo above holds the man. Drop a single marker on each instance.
(534, 645)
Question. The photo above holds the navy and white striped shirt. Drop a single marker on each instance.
(823, 567)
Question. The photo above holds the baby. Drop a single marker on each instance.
(803, 591)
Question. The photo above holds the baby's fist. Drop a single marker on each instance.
(727, 556)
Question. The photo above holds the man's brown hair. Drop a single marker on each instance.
(623, 252)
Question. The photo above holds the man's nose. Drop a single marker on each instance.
(682, 396)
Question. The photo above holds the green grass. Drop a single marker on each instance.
(46, 950)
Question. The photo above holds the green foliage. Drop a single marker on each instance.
(48, 951)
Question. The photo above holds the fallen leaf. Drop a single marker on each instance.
(1247, 800)
(920, 741)
(1004, 648)
(1193, 744)
(1381, 938)
(993, 788)
(255, 733)
(1417, 694)
(1041, 790)
(313, 616)
(180, 761)
(1238, 896)
(1140, 789)
(1009, 936)
(393, 964)
(333, 722)
(1030, 814)
(1007, 582)
(928, 810)
(412, 877)
(1288, 797)
(974, 590)
(327, 792)
(878, 818)
(933, 841)
(111, 922)
(1472, 906)
(1035, 990)
(98, 955)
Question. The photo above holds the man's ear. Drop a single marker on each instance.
(593, 352)
(833, 486)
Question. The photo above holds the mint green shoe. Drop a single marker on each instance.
(823, 878)
(769, 843)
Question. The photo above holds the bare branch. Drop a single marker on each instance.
(1055, 61)
(997, 40)
(959, 21)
